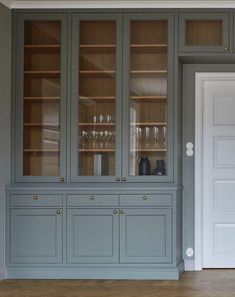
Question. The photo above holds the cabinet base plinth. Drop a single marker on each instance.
(96, 273)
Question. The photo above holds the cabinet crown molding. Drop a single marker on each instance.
(38, 4)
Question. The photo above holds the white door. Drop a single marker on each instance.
(218, 166)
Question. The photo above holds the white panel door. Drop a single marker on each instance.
(219, 172)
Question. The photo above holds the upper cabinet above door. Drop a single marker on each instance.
(148, 97)
(204, 32)
(41, 97)
(96, 97)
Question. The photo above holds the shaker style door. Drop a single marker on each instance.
(41, 98)
(148, 98)
(96, 98)
(204, 32)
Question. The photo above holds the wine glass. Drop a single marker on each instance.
(156, 136)
(146, 134)
(84, 137)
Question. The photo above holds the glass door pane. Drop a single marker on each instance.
(41, 116)
(148, 98)
(97, 98)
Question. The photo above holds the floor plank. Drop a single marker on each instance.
(206, 283)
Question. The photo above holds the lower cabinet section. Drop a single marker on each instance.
(145, 236)
(36, 236)
(92, 236)
(71, 235)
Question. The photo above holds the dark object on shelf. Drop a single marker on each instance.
(160, 169)
(101, 164)
(144, 166)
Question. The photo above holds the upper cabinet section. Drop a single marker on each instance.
(204, 32)
(148, 86)
(41, 98)
(97, 97)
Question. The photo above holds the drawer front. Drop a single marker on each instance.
(146, 200)
(92, 200)
(36, 200)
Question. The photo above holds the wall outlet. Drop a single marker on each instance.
(189, 252)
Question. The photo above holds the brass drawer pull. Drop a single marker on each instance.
(115, 211)
(92, 197)
(124, 179)
(226, 49)
(58, 212)
(35, 197)
(61, 179)
(118, 179)
(145, 197)
(121, 211)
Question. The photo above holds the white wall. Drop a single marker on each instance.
(5, 99)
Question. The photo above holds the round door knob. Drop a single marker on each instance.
(124, 179)
(58, 211)
(226, 49)
(61, 179)
(121, 211)
(145, 197)
(118, 179)
(92, 197)
(115, 211)
(35, 197)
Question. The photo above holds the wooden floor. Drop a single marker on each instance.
(208, 283)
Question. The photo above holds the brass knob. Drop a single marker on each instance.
(58, 211)
(118, 179)
(35, 197)
(115, 211)
(124, 179)
(92, 197)
(61, 179)
(145, 197)
(121, 211)
(226, 49)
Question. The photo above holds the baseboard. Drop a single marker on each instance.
(96, 273)
(2, 273)
(189, 265)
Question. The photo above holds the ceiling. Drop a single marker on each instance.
(118, 3)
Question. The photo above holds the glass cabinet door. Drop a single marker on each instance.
(42, 96)
(96, 98)
(148, 98)
(204, 32)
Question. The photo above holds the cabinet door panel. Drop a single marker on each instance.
(96, 118)
(204, 32)
(145, 236)
(41, 97)
(148, 98)
(92, 236)
(36, 236)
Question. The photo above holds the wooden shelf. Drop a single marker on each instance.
(41, 151)
(41, 125)
(96, 150)
(98, 73)
(149, 150)
(42, 73)
(41, 46)
(148, 98)
(148, 72)
(98, 48)
(149, 124)
(97, 124)
(148, 48)
(101, 98)
(56, 99)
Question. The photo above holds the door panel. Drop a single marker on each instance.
(145, 236)
(147, 132)
(218, 172)
(96, 107)
(36, 236)
(92, 236)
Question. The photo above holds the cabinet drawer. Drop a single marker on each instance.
(146, 200)
(36, 200)
(92, 200)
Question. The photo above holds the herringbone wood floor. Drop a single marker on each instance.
(208, 283)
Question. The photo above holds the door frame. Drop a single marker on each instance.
(200, 78)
